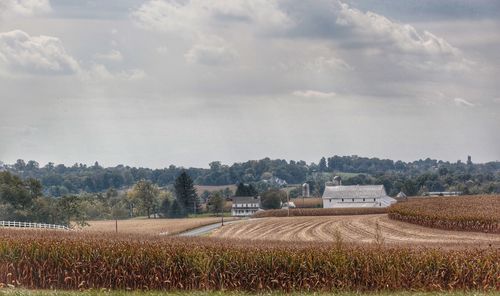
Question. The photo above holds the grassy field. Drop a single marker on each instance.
(82, 261)
(364, 229)
(151, 226)
(468, 213)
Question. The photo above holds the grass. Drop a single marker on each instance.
(20, 292)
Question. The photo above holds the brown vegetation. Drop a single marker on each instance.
(361, 229)
(308, 202)
(467, 213)
(72, 260)
(319, 212)
(150, 226)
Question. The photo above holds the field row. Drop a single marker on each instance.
(364, 229)
(67, 261)
(318, 212)
(468, 213)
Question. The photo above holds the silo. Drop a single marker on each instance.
(305, 190)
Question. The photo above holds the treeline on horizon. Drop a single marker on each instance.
(411, 177)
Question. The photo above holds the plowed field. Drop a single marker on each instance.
(360, 229)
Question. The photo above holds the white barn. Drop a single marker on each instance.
(356, 196)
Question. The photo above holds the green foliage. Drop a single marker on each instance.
(272, 199)
(145, 193)
(246, 190)
(216, 203)
(177, 210)
(185, 193)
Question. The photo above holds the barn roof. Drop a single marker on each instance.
(245, 199)
(354, 191)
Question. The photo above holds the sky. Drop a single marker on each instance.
(186, 82)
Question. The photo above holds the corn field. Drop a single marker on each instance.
(319, 212)
(468, 213)
(50, 260)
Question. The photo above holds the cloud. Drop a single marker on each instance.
(99, 72)
(463, 103)
(328, 63)
(113, 55)
(194, 16)
(313, 94)
(404, 37)
(25, 7)
(211, 52)
(22, 53)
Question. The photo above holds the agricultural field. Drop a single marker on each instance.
(353, 228)
(318, 212)
(150, 226)
(67, 260)
(468, 213)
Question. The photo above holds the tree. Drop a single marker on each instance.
(216, 203)
(69, 208)
(146, 193)
(246, 190)
(272, 199)
(322, 165)
(165, 207)
(185, 193)
(177, 210)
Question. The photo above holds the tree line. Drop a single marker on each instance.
(411, 177)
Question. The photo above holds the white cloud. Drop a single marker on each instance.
(113, 55)
(463, 103)
(327, 63)
(99, 72)
(194, 16)
(212, 52)
(313, 94)
(402, 36)
(20, 52)
(25, 7)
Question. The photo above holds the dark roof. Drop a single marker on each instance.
(246, 199)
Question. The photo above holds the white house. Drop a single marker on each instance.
(356, 196)
(245, 205)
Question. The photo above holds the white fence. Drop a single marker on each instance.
(31, 225)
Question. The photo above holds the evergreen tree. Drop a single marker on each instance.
(322, 165)
(186, 193)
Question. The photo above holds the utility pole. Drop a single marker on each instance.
(288, 201)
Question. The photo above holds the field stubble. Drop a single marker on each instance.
(358, 229)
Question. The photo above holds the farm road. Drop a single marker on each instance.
(205, 229)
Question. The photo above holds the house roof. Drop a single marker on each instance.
(245, 199)
(354, 191)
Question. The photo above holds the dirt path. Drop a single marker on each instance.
(361, 229)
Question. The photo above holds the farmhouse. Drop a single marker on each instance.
(245, 205)
(356, 196)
